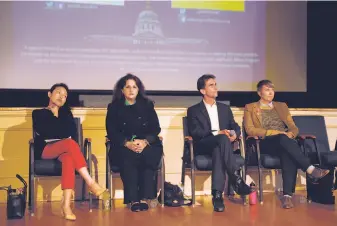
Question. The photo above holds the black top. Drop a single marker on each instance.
(47, 126)
(139, 120)
(199, 123)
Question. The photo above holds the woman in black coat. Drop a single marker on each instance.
(133, 127)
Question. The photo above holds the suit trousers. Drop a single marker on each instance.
(223, 159)
(291, 158)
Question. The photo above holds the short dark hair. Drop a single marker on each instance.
(118, 94)
(265, 82)
(56, 85)
(65, 109)
(202, 80)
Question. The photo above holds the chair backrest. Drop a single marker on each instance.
(185, 127)
(313, 125)
(79, 138)
(186, 150)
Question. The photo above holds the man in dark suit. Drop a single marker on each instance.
(212, 127)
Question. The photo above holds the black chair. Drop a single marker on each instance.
(316, 145)
(54, 167)
(255, 158)
(193, 162)
(114, 172)
(313, 140)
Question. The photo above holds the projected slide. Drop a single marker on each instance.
(168, 44)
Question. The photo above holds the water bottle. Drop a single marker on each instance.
(253, 195)
(106, 201)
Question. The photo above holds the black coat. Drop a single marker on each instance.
(140, 120)
(47, 126)
(199, 123)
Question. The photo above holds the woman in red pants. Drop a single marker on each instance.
(55, 133)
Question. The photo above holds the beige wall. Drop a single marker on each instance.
(15, 131)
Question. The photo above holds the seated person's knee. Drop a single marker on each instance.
(222, 139)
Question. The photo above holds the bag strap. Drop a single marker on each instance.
(188, 203)
(22, 180)
(6, 188)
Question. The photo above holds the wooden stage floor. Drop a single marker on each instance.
(268, 214)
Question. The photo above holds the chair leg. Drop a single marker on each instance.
(90, 202)
(243, 170)
(183, 174)
(193, 185)
(109, 183)
(162, 183)
(260, 185)
(83, 190)
(335, 173)
(32, 195)
(228, 184)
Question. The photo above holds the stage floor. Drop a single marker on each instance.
(268, 214)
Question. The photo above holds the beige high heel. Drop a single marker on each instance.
(96, 189)
(71, 216)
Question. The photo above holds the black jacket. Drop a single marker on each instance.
(47, 126)
(199, 123)
(140, 120)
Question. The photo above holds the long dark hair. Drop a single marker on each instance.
(118, 94)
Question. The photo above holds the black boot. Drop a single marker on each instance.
(217, 200)
(239, 186)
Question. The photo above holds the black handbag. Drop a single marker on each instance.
(321, 191)
(174, 196)
(16, 200)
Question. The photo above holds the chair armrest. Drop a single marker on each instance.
(188, 138)
(306, 137)
(107, 146)
(31, 156)
(237, 142)
(87, 152)
(253, 138)
(302, 138)
(254, 143)
(87, 146)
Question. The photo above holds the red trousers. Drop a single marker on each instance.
(69, 153)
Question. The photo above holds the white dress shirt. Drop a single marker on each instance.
(212, 111)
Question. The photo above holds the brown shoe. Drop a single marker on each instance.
(286, 202)
(318, 173)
